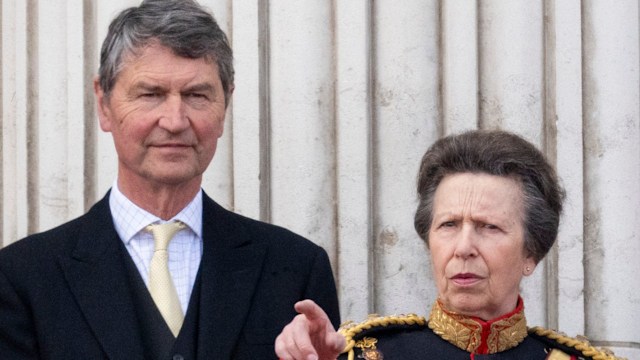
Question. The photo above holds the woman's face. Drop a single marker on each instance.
(477, 244)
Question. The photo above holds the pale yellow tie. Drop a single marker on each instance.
(161, 286)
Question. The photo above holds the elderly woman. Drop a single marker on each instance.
(489, 211)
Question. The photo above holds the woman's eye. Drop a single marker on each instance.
(491, 227)
(448, 224)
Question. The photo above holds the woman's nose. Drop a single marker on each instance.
(466, 242)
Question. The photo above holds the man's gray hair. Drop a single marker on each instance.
(180, 25)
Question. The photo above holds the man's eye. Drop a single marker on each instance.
(197, 96)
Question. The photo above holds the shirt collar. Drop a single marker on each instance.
(129, 219)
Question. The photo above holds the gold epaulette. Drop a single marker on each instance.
(580, 344)
(350, 329)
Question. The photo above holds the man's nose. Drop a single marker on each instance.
(174, 115)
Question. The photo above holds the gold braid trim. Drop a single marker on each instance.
(465, 332)
(581, 345)
(350, 329)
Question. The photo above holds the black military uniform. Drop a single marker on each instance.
(453, 336)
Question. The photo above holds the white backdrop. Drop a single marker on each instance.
(335, 102)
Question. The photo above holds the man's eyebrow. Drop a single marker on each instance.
(207, 87)
(142, 85)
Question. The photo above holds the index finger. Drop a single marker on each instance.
(310, 310)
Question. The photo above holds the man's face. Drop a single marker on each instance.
(165, 114)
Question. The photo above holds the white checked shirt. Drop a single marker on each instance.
(185, 249)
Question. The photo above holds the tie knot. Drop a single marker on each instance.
(163, 233)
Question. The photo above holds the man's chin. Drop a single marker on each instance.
(175, 177)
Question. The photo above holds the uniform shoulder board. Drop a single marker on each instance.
(571, 346)
(355, 334)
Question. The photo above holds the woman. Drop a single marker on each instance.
(489, 211)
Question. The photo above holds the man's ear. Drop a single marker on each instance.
(228, 98)
(102, 106)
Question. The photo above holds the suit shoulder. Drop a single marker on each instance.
(261, 230)
(42, 241)
(365, 335)
(265, 227)
(564, 345)
(58, 237)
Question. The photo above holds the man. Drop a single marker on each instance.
(103, 286)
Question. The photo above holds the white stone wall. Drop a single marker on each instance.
(335, 103)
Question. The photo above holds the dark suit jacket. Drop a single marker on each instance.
(64, 293)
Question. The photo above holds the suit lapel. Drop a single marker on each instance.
(97, 278)
(230, 269)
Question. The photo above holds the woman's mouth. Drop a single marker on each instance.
(466, 279)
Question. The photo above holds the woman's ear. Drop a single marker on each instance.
(529, 266)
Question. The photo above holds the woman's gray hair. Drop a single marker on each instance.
(503, 154)
(181, 25)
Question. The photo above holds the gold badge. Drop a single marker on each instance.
(368, 347)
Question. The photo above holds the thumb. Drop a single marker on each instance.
(336, 341)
